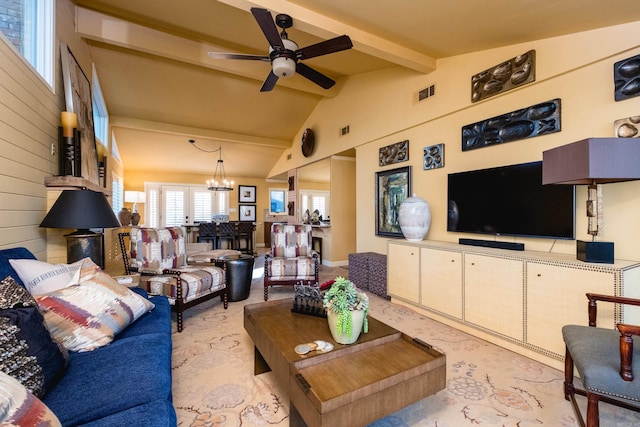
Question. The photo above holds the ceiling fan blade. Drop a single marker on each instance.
(315, 76)
(268, 27)
(226, 55)
(328, 46)
(269, 83)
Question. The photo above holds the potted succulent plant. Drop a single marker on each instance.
(347, 310)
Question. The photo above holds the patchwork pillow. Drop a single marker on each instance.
(27, 351)
(40, 277)
(20, 408)
(89, 315)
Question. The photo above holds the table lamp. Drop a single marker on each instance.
(592, 162)
(134, 197)
(83, 210)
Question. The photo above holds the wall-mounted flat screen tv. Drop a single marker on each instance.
(510, 200)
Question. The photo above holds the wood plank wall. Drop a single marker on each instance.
(29, 117)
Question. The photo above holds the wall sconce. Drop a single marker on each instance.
(83, 210)
(593, 162)
(70, 152)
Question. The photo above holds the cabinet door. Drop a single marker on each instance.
(493, 294)
(441, 281)
(404, 272)
(556, 297)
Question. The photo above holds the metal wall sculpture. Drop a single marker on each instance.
(539, 119)
(433, 157)
(394, 153)
(626, 75)
(515, 72)
(627, 128)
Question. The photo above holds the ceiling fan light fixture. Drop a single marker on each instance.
(284, 67)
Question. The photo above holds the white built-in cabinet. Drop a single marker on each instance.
(518, 298)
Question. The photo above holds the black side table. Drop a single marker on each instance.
(239, 275)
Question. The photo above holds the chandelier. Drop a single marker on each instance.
(219, 182)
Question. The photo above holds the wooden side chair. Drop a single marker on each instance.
(207, 233)
(245, 235)
(158, 255)
(604, 361)
(292, 259)
(227, 233)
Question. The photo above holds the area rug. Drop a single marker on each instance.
(214, 385)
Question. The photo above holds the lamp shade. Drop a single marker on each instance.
(592, 160)
(81, 209)
(134, 196)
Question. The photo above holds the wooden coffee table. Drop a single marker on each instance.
(354, 385)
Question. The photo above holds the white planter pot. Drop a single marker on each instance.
(357, 320)
(415, 218)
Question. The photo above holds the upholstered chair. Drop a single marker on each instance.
(604, 361)
(292, 259)
(158, 254)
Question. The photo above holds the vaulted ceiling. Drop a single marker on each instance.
(162, 88)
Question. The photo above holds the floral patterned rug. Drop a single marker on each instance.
(214, 385)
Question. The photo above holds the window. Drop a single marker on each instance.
(177, 204)
(29, 26)
(312, 200)
(117, 193)
(277, 201)
(100, 113)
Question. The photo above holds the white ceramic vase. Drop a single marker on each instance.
(415, 218)
(357, 320)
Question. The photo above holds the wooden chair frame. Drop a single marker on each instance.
(626, 363)
(179, 305)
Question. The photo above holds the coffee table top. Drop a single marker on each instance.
(286, 329)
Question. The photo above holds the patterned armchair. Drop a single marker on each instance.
(158, 254)
(292, 259)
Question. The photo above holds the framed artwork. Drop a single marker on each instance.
(247, 213)
(433, 157)
(394, 153)
(246, 194)
(77, 92)
(392, 187)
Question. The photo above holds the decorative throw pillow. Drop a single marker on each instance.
(90, 314)
(27, 351)
(20, 408)
(40, 277)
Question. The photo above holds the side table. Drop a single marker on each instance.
(239, 275)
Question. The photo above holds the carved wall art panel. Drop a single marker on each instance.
(627, 128)
(626, 75)
(433, 157)
(515, 72)
(539, 119)
(394, 153)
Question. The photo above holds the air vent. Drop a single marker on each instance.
(426, 93)
(289, 156)
(344, 130)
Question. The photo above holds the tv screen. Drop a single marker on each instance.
(510, 200)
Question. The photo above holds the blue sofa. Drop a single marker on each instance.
(127, 382)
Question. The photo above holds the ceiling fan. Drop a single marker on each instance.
(284, 54)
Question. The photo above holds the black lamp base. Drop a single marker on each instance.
(83, 244)
(601, 252)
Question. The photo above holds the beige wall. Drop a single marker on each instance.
(382, 108)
